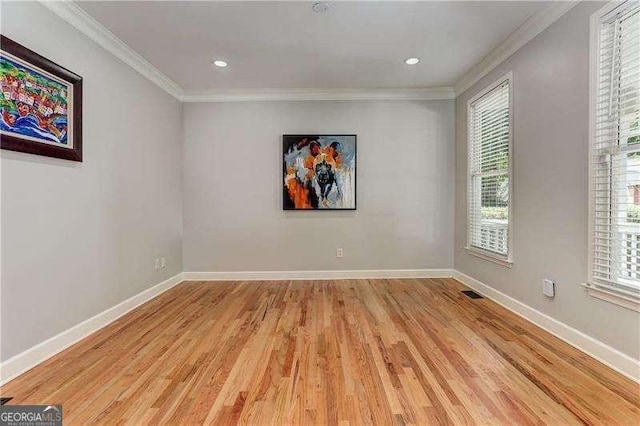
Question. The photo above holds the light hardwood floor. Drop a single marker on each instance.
(409, 351)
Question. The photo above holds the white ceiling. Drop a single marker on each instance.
(285, 45)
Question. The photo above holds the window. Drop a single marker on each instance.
(489, 187)
(615, 156)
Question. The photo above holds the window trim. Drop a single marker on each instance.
(503, 260)
(594, 64)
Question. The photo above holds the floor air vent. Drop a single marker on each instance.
(472, 294)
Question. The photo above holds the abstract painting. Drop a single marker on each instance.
(319, 172)
(40, 104)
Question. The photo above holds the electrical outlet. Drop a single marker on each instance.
(163, 262)
(157, 263)
(339, 253)
(548, 287)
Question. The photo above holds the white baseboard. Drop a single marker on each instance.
(317, 275)
(604, 353)
(28, 359)
(622, 363)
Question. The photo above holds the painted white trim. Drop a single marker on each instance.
(613, 358)
(433, 93)
(594, 41)
(491, 257)
(39, 353)
(533, 26)
(593, 289)
(612, 297)
(485, 254)
(86, 24)
(316, 275)
(609, 356)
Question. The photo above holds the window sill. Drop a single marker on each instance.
(612, 297)
(502, 261)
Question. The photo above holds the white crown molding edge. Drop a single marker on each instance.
(69, 11)
(533, 26)
(86, 24)
(316, 275)
(39, 353)
(609, 356)
(434, 93)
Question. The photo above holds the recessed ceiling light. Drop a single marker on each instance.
(411, 61)
(320, 7)
(220, 63)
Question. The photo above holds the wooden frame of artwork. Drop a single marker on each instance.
(40, 104)
(319, 172)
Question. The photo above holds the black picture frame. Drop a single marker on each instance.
(288, 141)
(16, 142)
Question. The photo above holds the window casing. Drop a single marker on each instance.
(490, 177)
(614, 270)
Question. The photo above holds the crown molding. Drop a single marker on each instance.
(86, 24)
(533, 26)
(320, 95)
(83, 22)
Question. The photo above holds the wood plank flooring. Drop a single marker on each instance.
(383, 352)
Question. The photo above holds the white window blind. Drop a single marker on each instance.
(489, 171)
(615, 156)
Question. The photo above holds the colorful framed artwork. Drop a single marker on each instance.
(319, 172)
(40, 104)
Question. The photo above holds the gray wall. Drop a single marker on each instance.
(551, 118)
(78, 238)
(233, 217)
